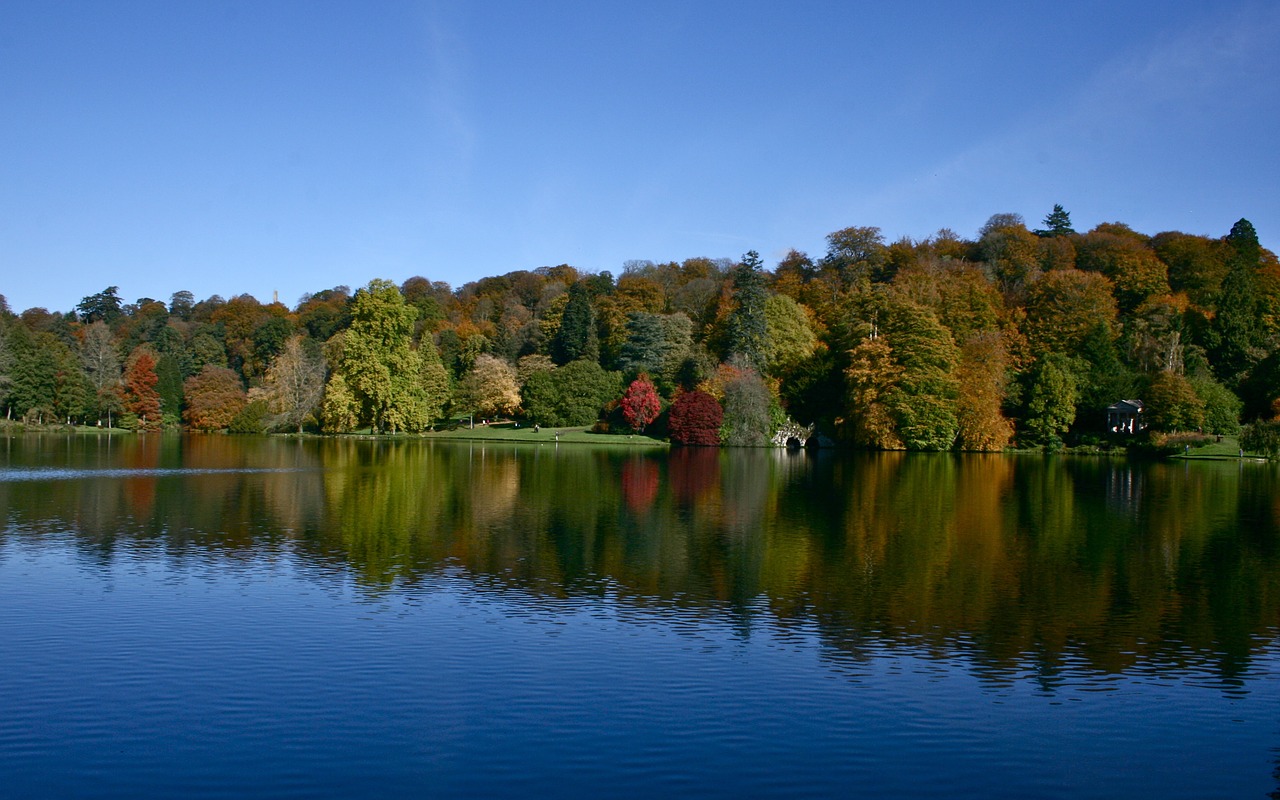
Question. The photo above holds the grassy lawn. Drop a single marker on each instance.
(508, 432)
(1228, 448)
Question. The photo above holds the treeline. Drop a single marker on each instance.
(1018, 336)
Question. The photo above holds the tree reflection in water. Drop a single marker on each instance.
(1013, 561)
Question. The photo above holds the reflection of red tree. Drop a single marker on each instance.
(140, 492)
(693, 472)
(639, 484)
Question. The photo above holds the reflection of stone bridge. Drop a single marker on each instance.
(792, 434)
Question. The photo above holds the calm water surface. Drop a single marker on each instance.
(223, 616)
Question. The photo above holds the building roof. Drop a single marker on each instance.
(1126, 405)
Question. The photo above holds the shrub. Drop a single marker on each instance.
(695, 419)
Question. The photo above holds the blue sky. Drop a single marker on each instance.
(261, 147)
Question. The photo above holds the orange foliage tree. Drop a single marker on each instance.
(138, 389)
(214, 397)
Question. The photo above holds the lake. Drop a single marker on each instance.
(213, 616)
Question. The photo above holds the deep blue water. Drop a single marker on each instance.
(180, 649)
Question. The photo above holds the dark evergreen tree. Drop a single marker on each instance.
(169, 378)
(105, 305)
(748, 330)
(1057, 223)
(72, 395)
(576, 337)
(1236, 338)
(33, 374)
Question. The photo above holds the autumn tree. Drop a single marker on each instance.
(1135, 271)
(214, 397)
(695, 419)
(1064, 306)
(982, 380)
(640, 403)
(1011, 252)
(138, 389)
(871, 377)
(101, 362)
(294, 384)
(489, 389)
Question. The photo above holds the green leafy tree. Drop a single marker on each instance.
(657, 344)
(378, 363)
(640, 403)
(181, 304)
(1262, 437)
(33, 374)
(269, 338)
(790, 338)
(72, 395)
(1173, 405)
(436, 388)
(570, 395)
(854, 255)
(206, 348)
(340, 411)
(1222, 408)
(1050, 402)
(747, 421)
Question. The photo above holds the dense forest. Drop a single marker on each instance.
(1019, 337)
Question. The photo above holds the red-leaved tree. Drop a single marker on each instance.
(138, 390)
(695, 419)
(640, 403)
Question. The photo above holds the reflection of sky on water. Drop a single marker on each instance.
(281, 675)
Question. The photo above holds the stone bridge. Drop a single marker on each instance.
(792, 434)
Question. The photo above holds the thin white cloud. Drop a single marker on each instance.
(1195, 78)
